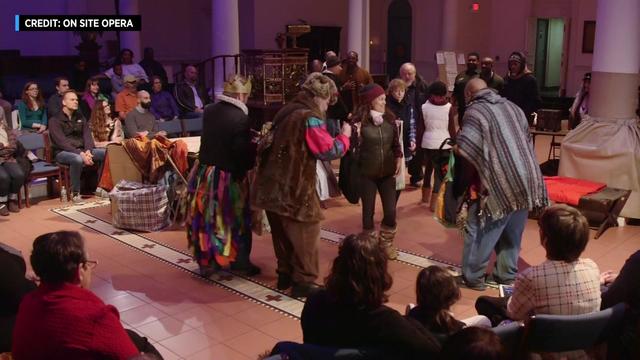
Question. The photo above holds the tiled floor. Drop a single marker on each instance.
(187, 318)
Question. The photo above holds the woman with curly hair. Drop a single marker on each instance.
(351, 312)
(104, 129)
(32, 112)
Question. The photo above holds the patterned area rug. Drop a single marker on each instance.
(180, 258)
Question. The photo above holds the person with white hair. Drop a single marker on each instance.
(287, 161)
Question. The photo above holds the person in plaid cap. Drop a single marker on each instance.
(219, 217)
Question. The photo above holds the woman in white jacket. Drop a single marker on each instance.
(436, 120)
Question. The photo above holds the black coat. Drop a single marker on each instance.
(329, 323)
(415, 96)
(13, 287)
(336, 113)
(185, 99)
(523, 92)
(402, 110)
(226, 139)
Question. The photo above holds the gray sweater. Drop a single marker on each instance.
(138, 121)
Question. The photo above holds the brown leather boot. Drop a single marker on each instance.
(387, 235)
(426, 192)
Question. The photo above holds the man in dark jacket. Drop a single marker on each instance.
(416, 94)
(190, 96)
(336, 113)
(461, 82)
(72, 141)
(521, 87)
(152, 67)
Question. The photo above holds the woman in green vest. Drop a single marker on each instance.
(379, 158)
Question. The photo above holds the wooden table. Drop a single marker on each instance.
(193, 143)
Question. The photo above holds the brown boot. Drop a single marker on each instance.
(387, 235)
(13, 206)
(426, 192)
(433, 201)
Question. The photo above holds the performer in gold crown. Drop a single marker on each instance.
(219, 218)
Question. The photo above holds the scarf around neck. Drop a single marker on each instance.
(376, 117)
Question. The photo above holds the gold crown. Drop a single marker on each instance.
(238, 84)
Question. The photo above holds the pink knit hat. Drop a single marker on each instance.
(370, 92)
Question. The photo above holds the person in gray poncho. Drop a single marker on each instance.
(507, 183)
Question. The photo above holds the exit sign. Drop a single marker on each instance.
(475, 7)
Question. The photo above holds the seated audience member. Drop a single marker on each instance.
(350, 312)
(72, 142)
(117, 79)
(4, 104)
(436, 292)
(473, 343)
(11, 174)
(151, 66)
(191, 97)
(127, 99)
(32, 113)
(140, 121)
(15, 283)
(91, 96)
(625, 288)
(564, 234)
(62, 319)
(163, 106)
(564, 284)
(104, 129)
(129, 67)
(54, 104)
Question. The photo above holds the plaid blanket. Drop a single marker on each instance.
(495, 139)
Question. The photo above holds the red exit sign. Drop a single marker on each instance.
(475, 7)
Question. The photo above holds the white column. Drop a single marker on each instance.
(225, 35)
(616, 59)
(449, 25)
(358, 31)
(131, 39)
(605, 147)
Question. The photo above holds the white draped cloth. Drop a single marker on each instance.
(608, 151)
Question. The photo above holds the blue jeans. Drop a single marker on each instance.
(76, 164)
(504, 235)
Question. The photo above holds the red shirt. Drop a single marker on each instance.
(68, 322)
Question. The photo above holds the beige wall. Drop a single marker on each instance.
(271, 17)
